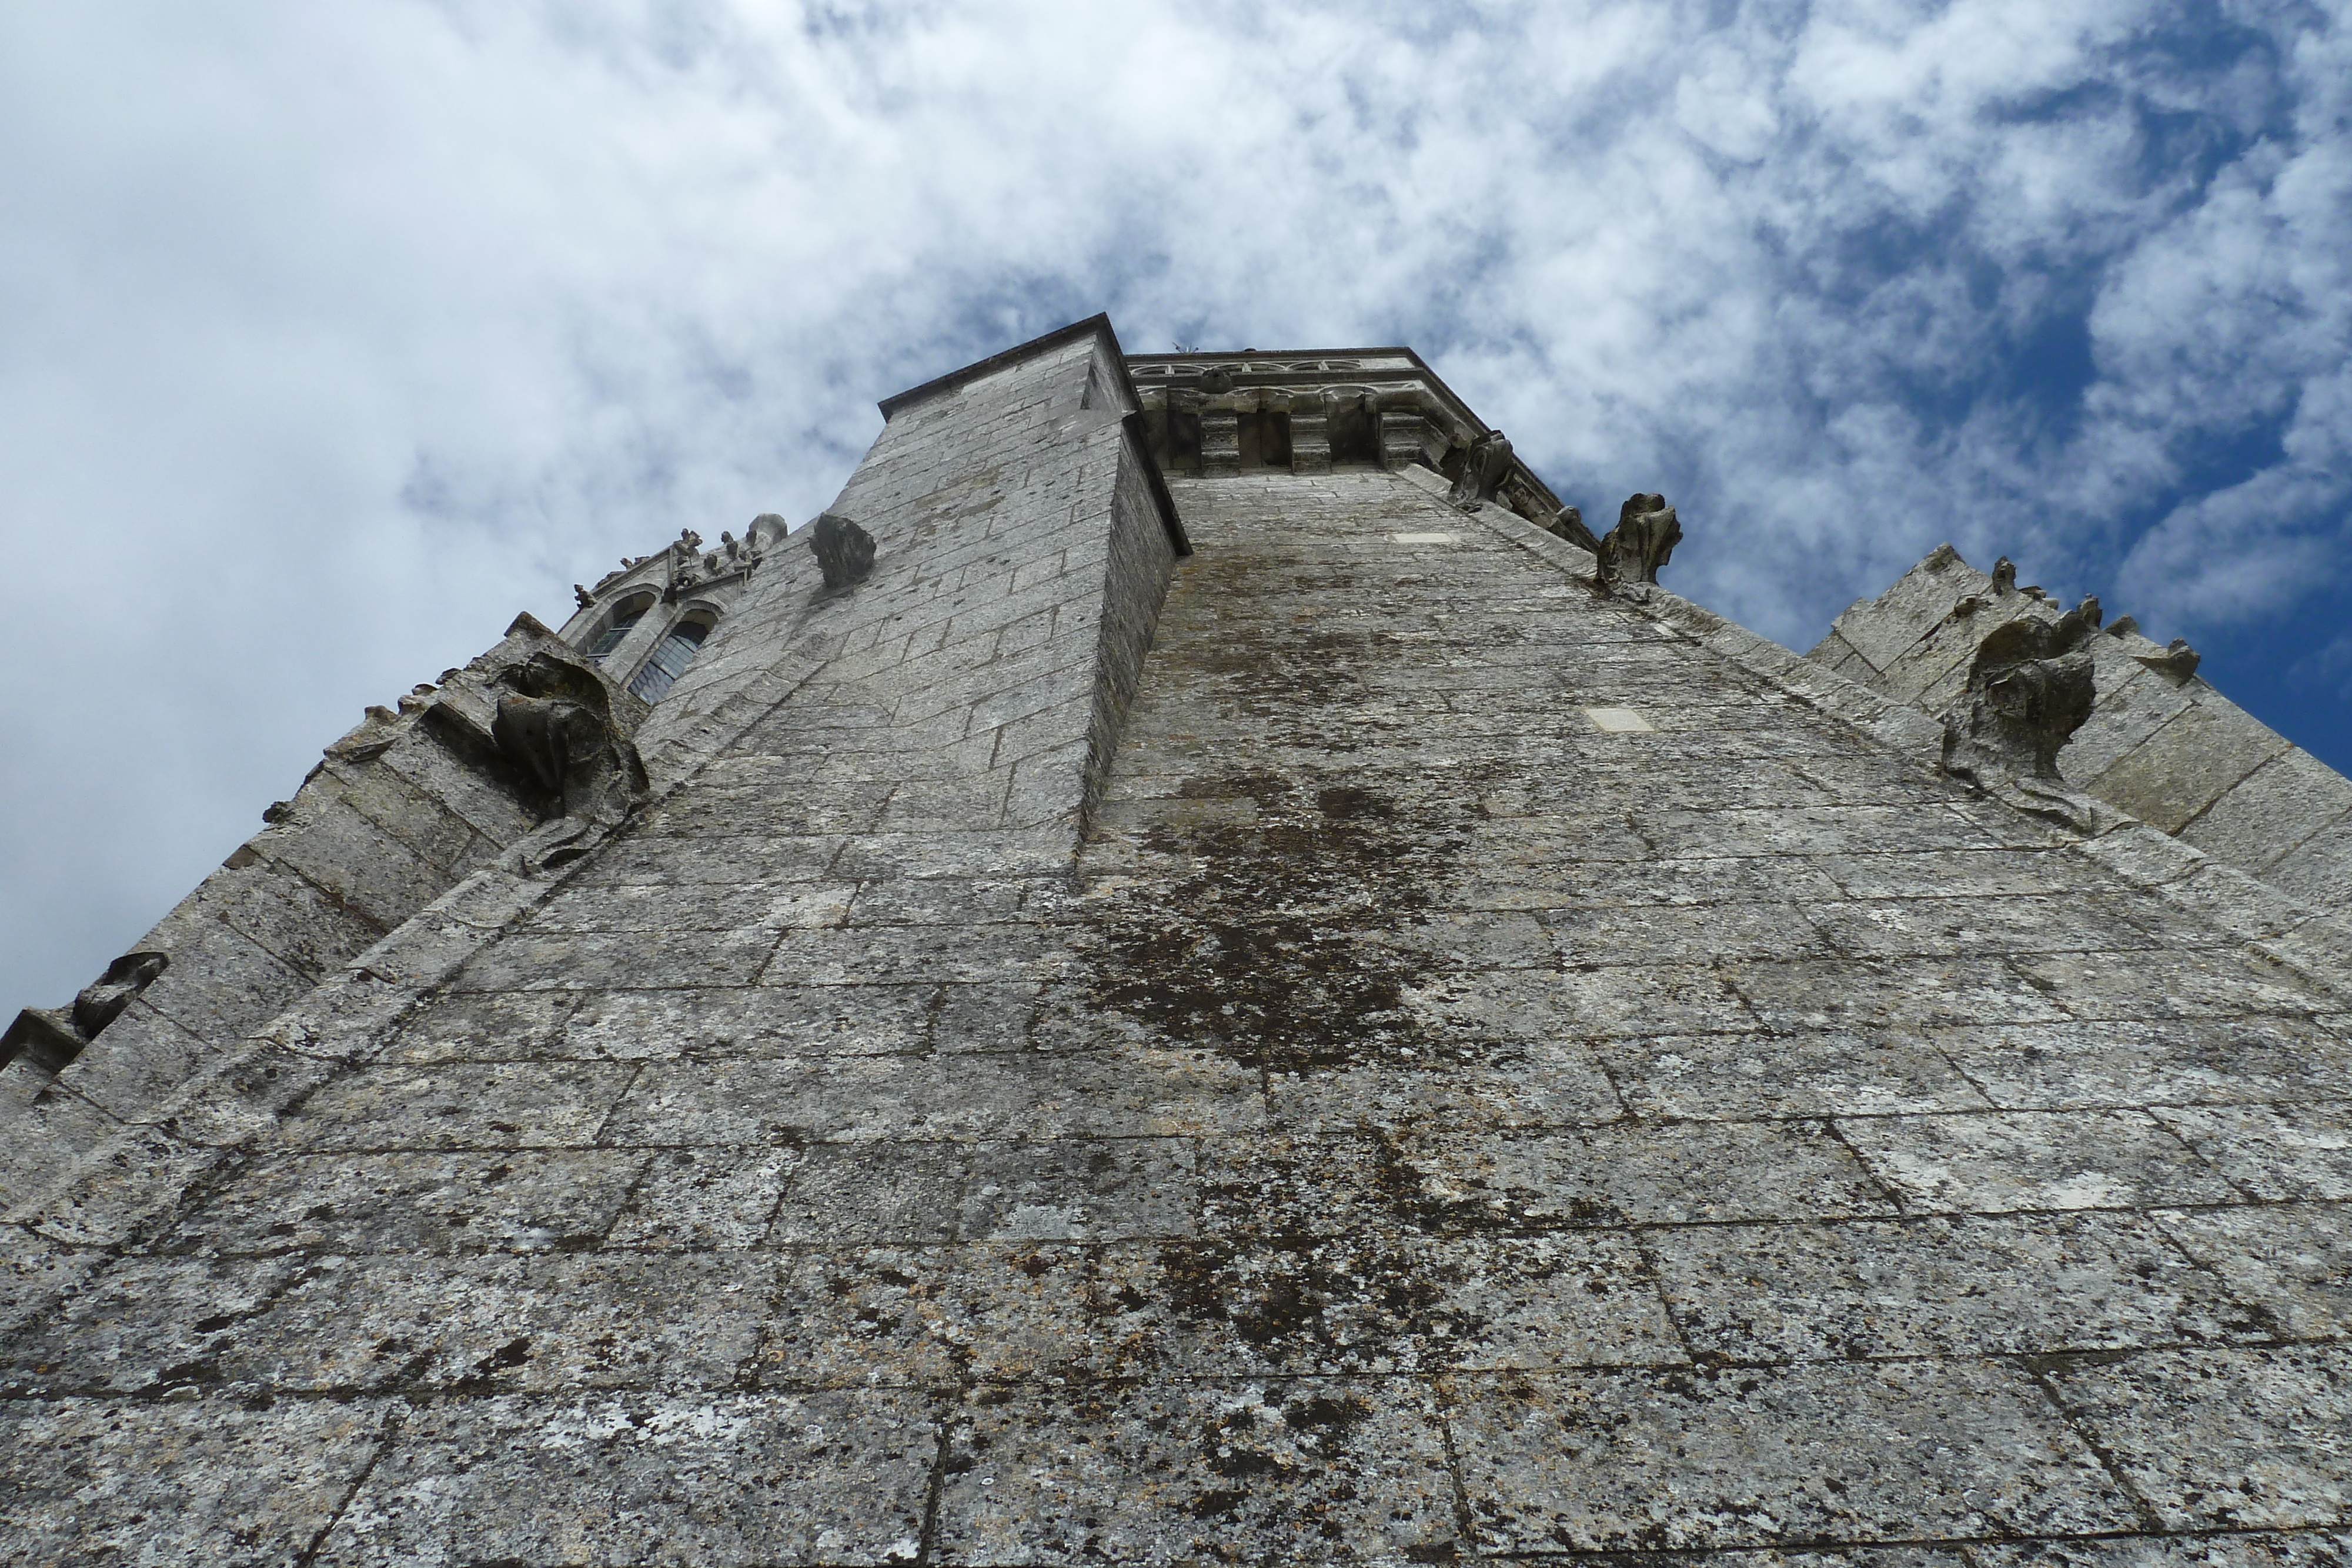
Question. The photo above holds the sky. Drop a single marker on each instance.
(330, 337)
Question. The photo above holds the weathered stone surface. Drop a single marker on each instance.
(1101, 1055)
(2188, 765)
(1639, 546)
(2272, 813)
(844, 551)
(2150, 740)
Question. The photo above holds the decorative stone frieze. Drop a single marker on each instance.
(1379, 408)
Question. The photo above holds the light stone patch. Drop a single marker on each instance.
(737, 1478)
(1618, 721)
(2032, 1160)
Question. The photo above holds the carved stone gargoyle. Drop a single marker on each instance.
(2029, 689)
(53, 1037)
(1483, 468)
(842, 549)
(1639, 546)
(557, 729)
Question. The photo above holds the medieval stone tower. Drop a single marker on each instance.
(1199, 973)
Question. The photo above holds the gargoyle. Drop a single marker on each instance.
(686, 566)
(1483, 468)
(557, 729)
(842, 549)
(53, 1037)
(1644, 538)
(2029, 689)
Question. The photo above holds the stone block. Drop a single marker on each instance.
(1967, 1285)
(351, 858)
(713, 1477)
(2183, 767)
(2223, 1438)
(1847, 1453)
(2275, 1153)
(469, 1105)
(1358, 1466)
(93, 1478)
(517, 1201)
(2290, 1261)
(1988, 1163)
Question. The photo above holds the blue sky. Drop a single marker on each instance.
(330, 337)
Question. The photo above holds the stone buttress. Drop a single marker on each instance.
(1390, 1039)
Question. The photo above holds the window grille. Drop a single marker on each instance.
(610, 637)
(669, 660)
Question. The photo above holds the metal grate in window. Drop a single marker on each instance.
(610, 637)
(669, 660)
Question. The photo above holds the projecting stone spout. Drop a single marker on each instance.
(2029, 689)
(842, 549)
(1483, 468)
(56, 1036)
(1639, 546)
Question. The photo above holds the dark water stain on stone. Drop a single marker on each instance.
(1277, 945)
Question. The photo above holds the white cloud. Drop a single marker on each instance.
(333, 336)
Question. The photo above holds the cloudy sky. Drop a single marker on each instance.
(333, 336)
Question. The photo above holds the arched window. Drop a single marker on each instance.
(624, 617)
(670, 658)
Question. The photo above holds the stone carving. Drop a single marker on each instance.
(2004, 576)
(2029, 689)
(2178, 661)
(1639, 546)
(55, 1036)
(582, 598)
(842, 549)
(556, 727)
(686, 565)
(379, 730)
(1482, 470)
(2122, 626)
(745, 553)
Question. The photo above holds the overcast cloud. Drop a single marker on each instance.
(333, 336)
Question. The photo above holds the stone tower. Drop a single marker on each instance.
(1196, 972)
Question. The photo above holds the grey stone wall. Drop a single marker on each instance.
(2169, 749)
(1514, 1070)
(390, 819)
